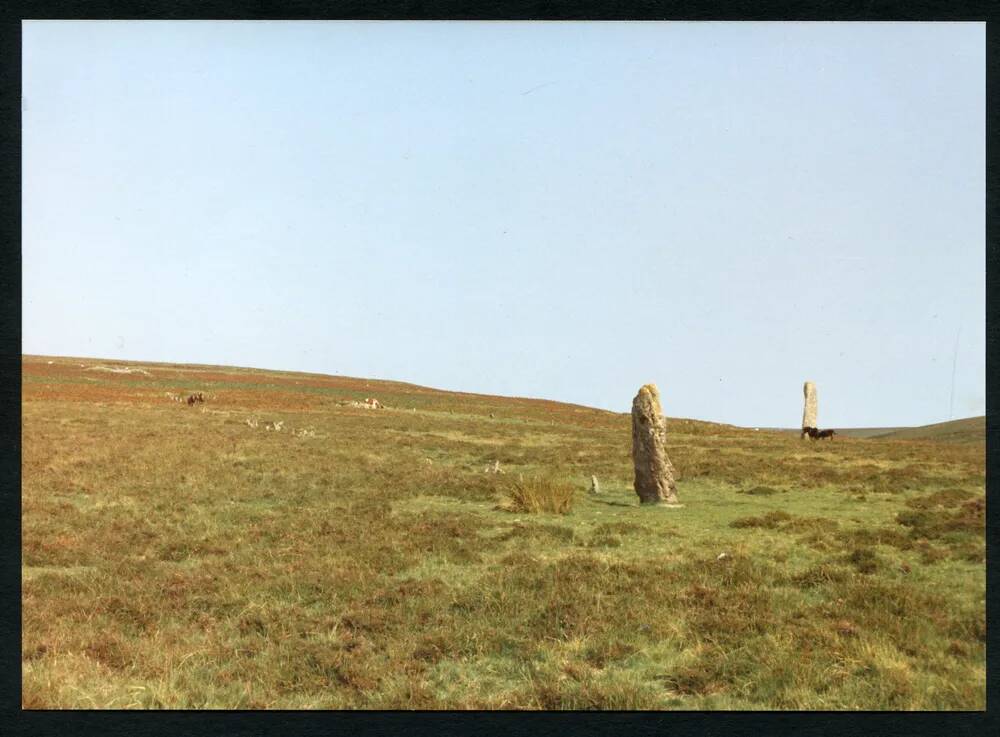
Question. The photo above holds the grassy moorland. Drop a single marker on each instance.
(176, 557)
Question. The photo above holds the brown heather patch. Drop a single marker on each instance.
(769, 521)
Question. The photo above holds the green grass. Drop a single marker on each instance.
(175, 558)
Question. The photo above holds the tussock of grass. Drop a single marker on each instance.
(768, 521)
(760, 491)
(864, 560)
(819, 575)
(619, 528)
(538, 494)
(538, 532)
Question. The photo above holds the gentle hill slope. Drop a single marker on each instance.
(282, 546)
(968, 430)
(136, 382)
(864, 432)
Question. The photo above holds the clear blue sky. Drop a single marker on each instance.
(558, 210)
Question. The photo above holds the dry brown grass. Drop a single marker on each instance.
(174, 558)
(538, 494)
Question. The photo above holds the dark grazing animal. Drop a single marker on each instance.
(810, 431)
(825, 434)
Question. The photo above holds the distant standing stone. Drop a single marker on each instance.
(810, 407)
(595, 488)
(654, 474)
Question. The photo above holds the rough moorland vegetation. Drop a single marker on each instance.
(283, 545)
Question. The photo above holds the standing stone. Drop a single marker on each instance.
(810, 409)
(654, 474)
(595, 488)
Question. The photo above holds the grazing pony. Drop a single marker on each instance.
(825, 434)
(810, 431)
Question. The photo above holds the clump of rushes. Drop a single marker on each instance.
(537, 494)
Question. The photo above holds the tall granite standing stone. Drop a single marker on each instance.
(810, 409)
(654, 474)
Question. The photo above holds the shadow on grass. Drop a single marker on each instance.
(615, 504)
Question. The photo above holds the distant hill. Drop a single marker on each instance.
(968, 430)
(868, 432)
